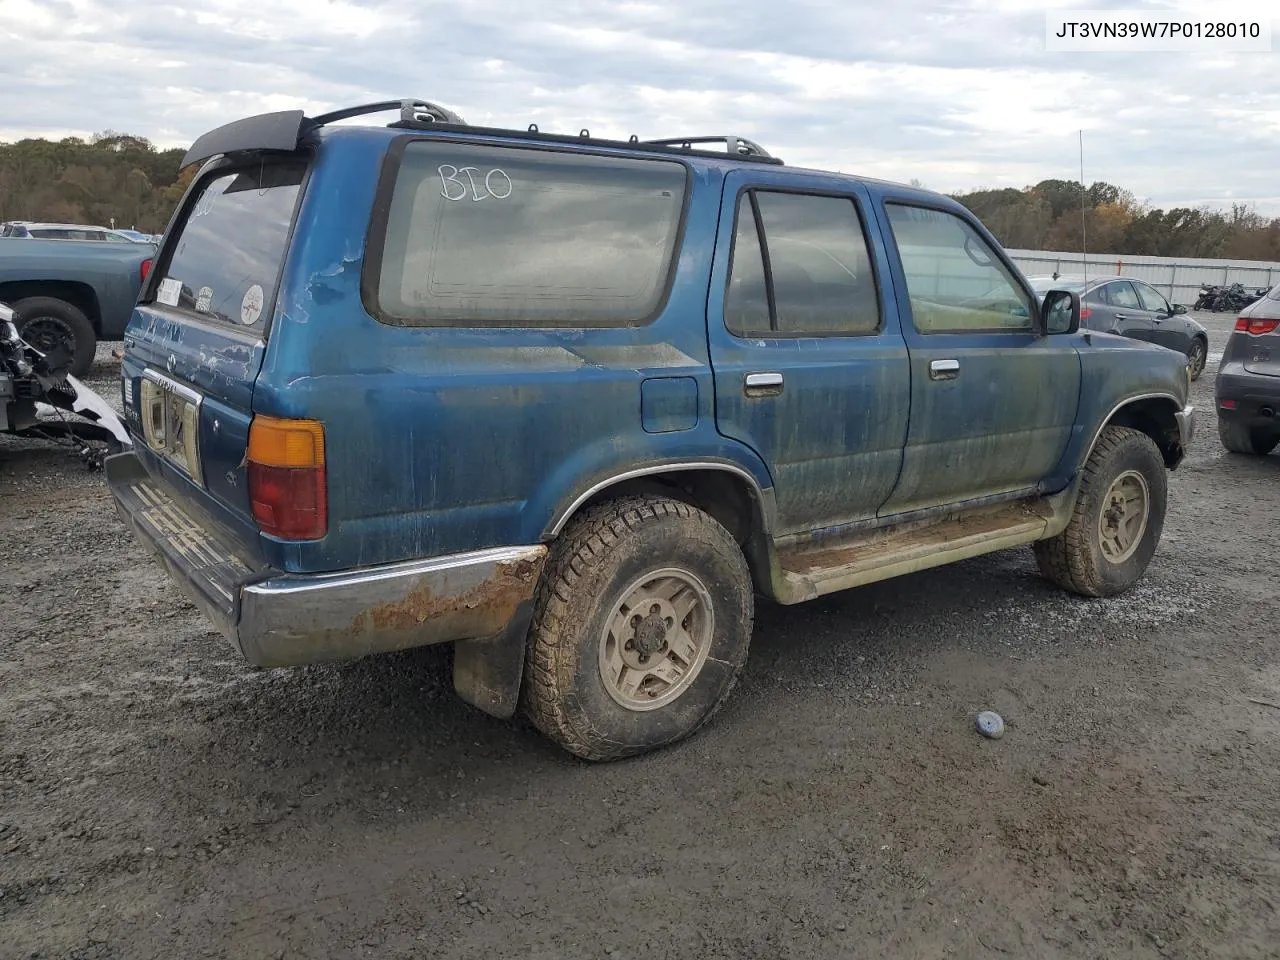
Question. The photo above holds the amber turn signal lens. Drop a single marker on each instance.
(274, 442)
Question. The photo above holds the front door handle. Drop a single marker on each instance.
(944, 369)
(762, 384)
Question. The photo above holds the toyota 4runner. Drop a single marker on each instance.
(572, 403)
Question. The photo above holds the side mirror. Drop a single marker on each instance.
(1179, 308)
(1060, 312)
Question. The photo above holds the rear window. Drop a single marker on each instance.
(226, 258)
(499, 236)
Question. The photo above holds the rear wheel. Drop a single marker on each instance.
(48, 324)
(1197, 356)
(641, 627)
(1239, 438)
(1117, 520)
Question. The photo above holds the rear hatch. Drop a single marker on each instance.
(1257, 335)
(196, 341)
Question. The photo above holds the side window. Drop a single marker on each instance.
(955, 281)
(1122, 295)
(1098, 295)
(490, 236)
(746, 305)
(1151, 298)
(819, 278)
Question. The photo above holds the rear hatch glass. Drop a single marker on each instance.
(226, 259)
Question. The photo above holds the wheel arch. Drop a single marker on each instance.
(728, 492)
(78, 294)
(1152, 414)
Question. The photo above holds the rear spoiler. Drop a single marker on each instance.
(287, 129)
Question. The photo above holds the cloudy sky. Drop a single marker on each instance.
(956, 93)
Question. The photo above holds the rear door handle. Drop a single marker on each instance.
(762, 384)
(1122, 316)
(944, 369)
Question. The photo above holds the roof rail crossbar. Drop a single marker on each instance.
(738, 145)
(411, 111)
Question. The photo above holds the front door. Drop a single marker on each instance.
(810, 365)
(1167, 328)
(993, 400)
(1118, 310)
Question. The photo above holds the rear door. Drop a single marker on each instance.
(810, 365)
(196, 340)
(993, 400)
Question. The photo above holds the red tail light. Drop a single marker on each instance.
(1085, 314)
(288, 488)
(1256, 326)
(145, 269)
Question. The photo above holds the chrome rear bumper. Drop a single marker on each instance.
(277, 619)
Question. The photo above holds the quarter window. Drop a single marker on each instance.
(955, 280)
(818, 280)
(499, 236)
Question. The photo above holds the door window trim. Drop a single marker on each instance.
(860, 211)
(1020, 282)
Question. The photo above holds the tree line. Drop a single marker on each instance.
(124, 177)
(109, 176)
(1064, 215)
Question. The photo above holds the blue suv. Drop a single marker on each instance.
(571, 404)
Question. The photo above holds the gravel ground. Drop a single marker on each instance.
(159, 798)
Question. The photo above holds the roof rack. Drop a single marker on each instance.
(288, 129)
(411, 112)
(737, 145)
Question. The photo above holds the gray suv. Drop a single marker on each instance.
(1247, 391)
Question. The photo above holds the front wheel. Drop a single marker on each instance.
(1196, 357)
(1117, 520)
(641, 627)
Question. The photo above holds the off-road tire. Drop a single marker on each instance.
(592, 563)
(1240, 438)
(1198, 356)
(1074, 559)
(78, 329)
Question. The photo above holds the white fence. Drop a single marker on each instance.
(1177, 278)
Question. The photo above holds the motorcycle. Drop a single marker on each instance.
(1228, 297)
(40, 399)
(1208, 293)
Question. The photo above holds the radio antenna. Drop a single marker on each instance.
(1084, 226)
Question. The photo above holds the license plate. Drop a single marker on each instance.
(171, 421)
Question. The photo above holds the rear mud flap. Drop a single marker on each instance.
(487, 673)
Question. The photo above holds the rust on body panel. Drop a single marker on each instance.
(480, 611)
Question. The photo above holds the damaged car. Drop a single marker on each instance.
(40, 399)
